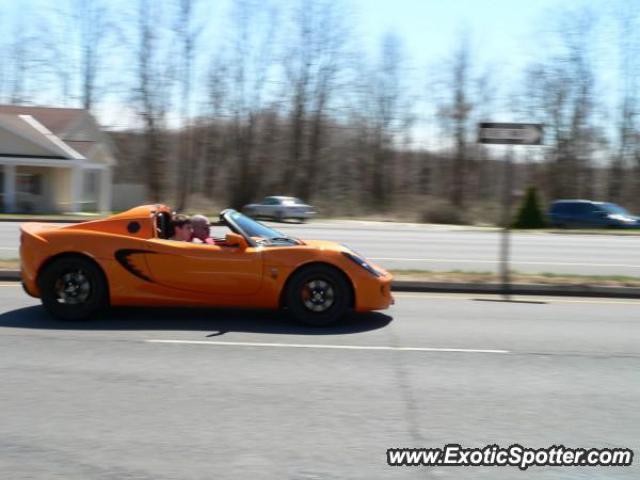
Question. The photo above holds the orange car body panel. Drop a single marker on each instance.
(143, 270)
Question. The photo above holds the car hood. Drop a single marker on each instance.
(295, 205)
(326, 245)
(627, 218)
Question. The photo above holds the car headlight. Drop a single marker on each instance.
(363, 263)
(621, 218)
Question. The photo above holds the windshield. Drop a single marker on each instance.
(615, 209)
(251, 228)
(292, 201)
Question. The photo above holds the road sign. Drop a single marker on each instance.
(510, 133)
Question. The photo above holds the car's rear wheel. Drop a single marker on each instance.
(318, 295)
(73, 288)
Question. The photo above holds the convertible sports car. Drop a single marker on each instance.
(128, 259)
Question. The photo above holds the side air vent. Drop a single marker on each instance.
(123, 257)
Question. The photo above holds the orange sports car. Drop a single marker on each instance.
(128, 259)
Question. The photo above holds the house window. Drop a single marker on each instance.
(29, 183)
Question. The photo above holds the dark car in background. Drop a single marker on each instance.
(590, 214)
(280, 208)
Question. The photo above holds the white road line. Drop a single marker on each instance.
(546, 299)
(328, 347)
(457, 260)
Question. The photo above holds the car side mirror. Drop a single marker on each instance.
(236, 240)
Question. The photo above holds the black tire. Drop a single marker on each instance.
(306, 302)
(73, 288)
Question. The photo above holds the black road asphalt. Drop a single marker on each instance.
(443, 248)
(219, 394)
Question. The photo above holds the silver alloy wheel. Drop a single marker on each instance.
(73, 288)
(318, 295)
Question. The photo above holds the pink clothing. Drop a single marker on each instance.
(208, 240)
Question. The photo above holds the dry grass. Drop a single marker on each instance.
(9, 264)
(458, 276)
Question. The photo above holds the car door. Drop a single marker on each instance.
(268, 206)
(563, 214)
(203, 268)
(598, 217)
(574, 215)
(588, 216)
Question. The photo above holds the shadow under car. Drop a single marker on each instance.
(218, 321)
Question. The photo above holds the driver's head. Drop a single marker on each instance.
(182, 229)
(200, 225)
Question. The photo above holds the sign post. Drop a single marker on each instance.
(508, 134)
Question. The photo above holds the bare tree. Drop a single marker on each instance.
(60, 53)
(628, 134)
(389, 114)
(561, 89)
(4, 57)
(153, 79)
(91, 17)
(249, 59)
(24, 60)
(187, 34)
(20, 61)
(78, 34)
(313, 60)
(213, 151)
(455, 115)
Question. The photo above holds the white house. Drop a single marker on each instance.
(54, 160)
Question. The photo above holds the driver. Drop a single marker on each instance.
(182, 228)
(201, 230)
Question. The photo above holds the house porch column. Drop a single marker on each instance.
(9, 188)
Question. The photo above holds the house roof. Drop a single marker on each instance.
(30, 130)
(57, 120)
(84, 148)
(65, 132)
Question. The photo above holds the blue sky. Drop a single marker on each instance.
(500, 29)
(505, 35)
(503, 32)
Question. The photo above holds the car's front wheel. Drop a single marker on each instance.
(318, 295)
(73, 288)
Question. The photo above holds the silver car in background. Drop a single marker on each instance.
(280, 209)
